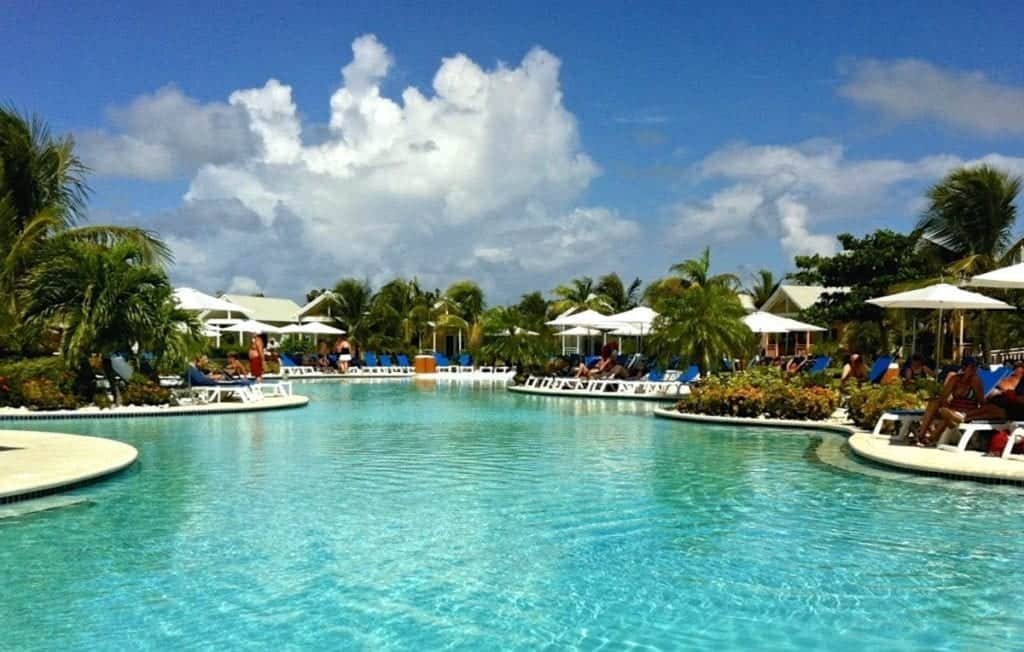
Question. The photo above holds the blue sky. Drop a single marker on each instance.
(760, 132)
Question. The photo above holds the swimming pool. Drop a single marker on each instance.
(422, 516)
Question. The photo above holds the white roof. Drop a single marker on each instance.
(747, 302)
(267, 309)
(251, 326)
(193, 300)
(640, 316)
(801, 296)
(306, 309)
(1004, 277)
(941, 296)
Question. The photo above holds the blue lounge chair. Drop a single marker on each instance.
(387, 365)
(691, 374)
(403, 362)
(465, 363)
(878, 370)
(819, 366)
(444, 365)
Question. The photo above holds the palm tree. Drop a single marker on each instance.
(43, 193)
(616, 294)
(971, 216)
(350, 302)
(697, 271)
(105, 299)
(533, 310)
(579, 293)
(763, 286)
(970, 221)
(703, 325)
(663, 289)
(510, 344)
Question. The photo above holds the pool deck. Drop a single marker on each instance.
(969, 465)
(37, 463)
(130, 411)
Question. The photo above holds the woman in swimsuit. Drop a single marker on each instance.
(960, 395)
(344, 354)
(256, 357)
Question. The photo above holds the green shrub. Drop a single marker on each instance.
(142, 391)
(866, 403)
(761, 392)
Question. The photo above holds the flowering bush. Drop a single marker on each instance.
(760, 392)
(37, 383)
(868, 402)
(44, 394)
(142, 391)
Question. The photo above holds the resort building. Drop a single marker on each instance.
(789, 301)
(269, 310)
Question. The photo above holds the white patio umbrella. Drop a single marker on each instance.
(766, 322)
(577, 332)
(251, 326)
(941, 297)
(195, 301)
(587, 318)
(1005, 277)
(311, 328)
(635, 322)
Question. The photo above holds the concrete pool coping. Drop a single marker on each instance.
(968, 465)
(38, 463)
(132, 411)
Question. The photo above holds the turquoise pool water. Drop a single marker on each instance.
(415, 516)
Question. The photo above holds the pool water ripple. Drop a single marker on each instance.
(415, 516)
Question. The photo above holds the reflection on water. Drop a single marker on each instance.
(427, 515)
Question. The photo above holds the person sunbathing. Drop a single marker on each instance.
(854, 369)
(961, 394)
(234, 368)
(1005, 401)
(916, 370)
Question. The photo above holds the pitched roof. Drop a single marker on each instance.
(800, 296)
(308, 308)
(267, 309)
(747, 302)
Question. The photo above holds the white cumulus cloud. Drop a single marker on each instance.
(166, 133)
(792, 193)
(481, 174)
(908, 89)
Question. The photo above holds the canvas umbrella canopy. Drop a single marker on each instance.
(195, 301)
(251, 326)
(311, 328)
(1005, 277)
(587, 318)
(766, 322)
(941, 297)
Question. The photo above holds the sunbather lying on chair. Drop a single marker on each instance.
(961, 394)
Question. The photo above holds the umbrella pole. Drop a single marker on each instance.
(961, 335)
(938, 344)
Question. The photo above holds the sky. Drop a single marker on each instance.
(278, 147)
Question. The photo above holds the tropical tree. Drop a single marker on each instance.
(663, 289)
(619, 297)
(704, 325)
(700, 315)
(469, 304)
(579, 293)
(697, 271)
(762, 287)
(350, 303)
(104, 299)
(509, 341)
(970, 217)
(533, 311)
(43, 194)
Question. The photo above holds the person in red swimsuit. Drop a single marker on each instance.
(256, 357)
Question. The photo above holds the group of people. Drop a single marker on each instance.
(963, 399)
(339, 356)
(606, 367)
